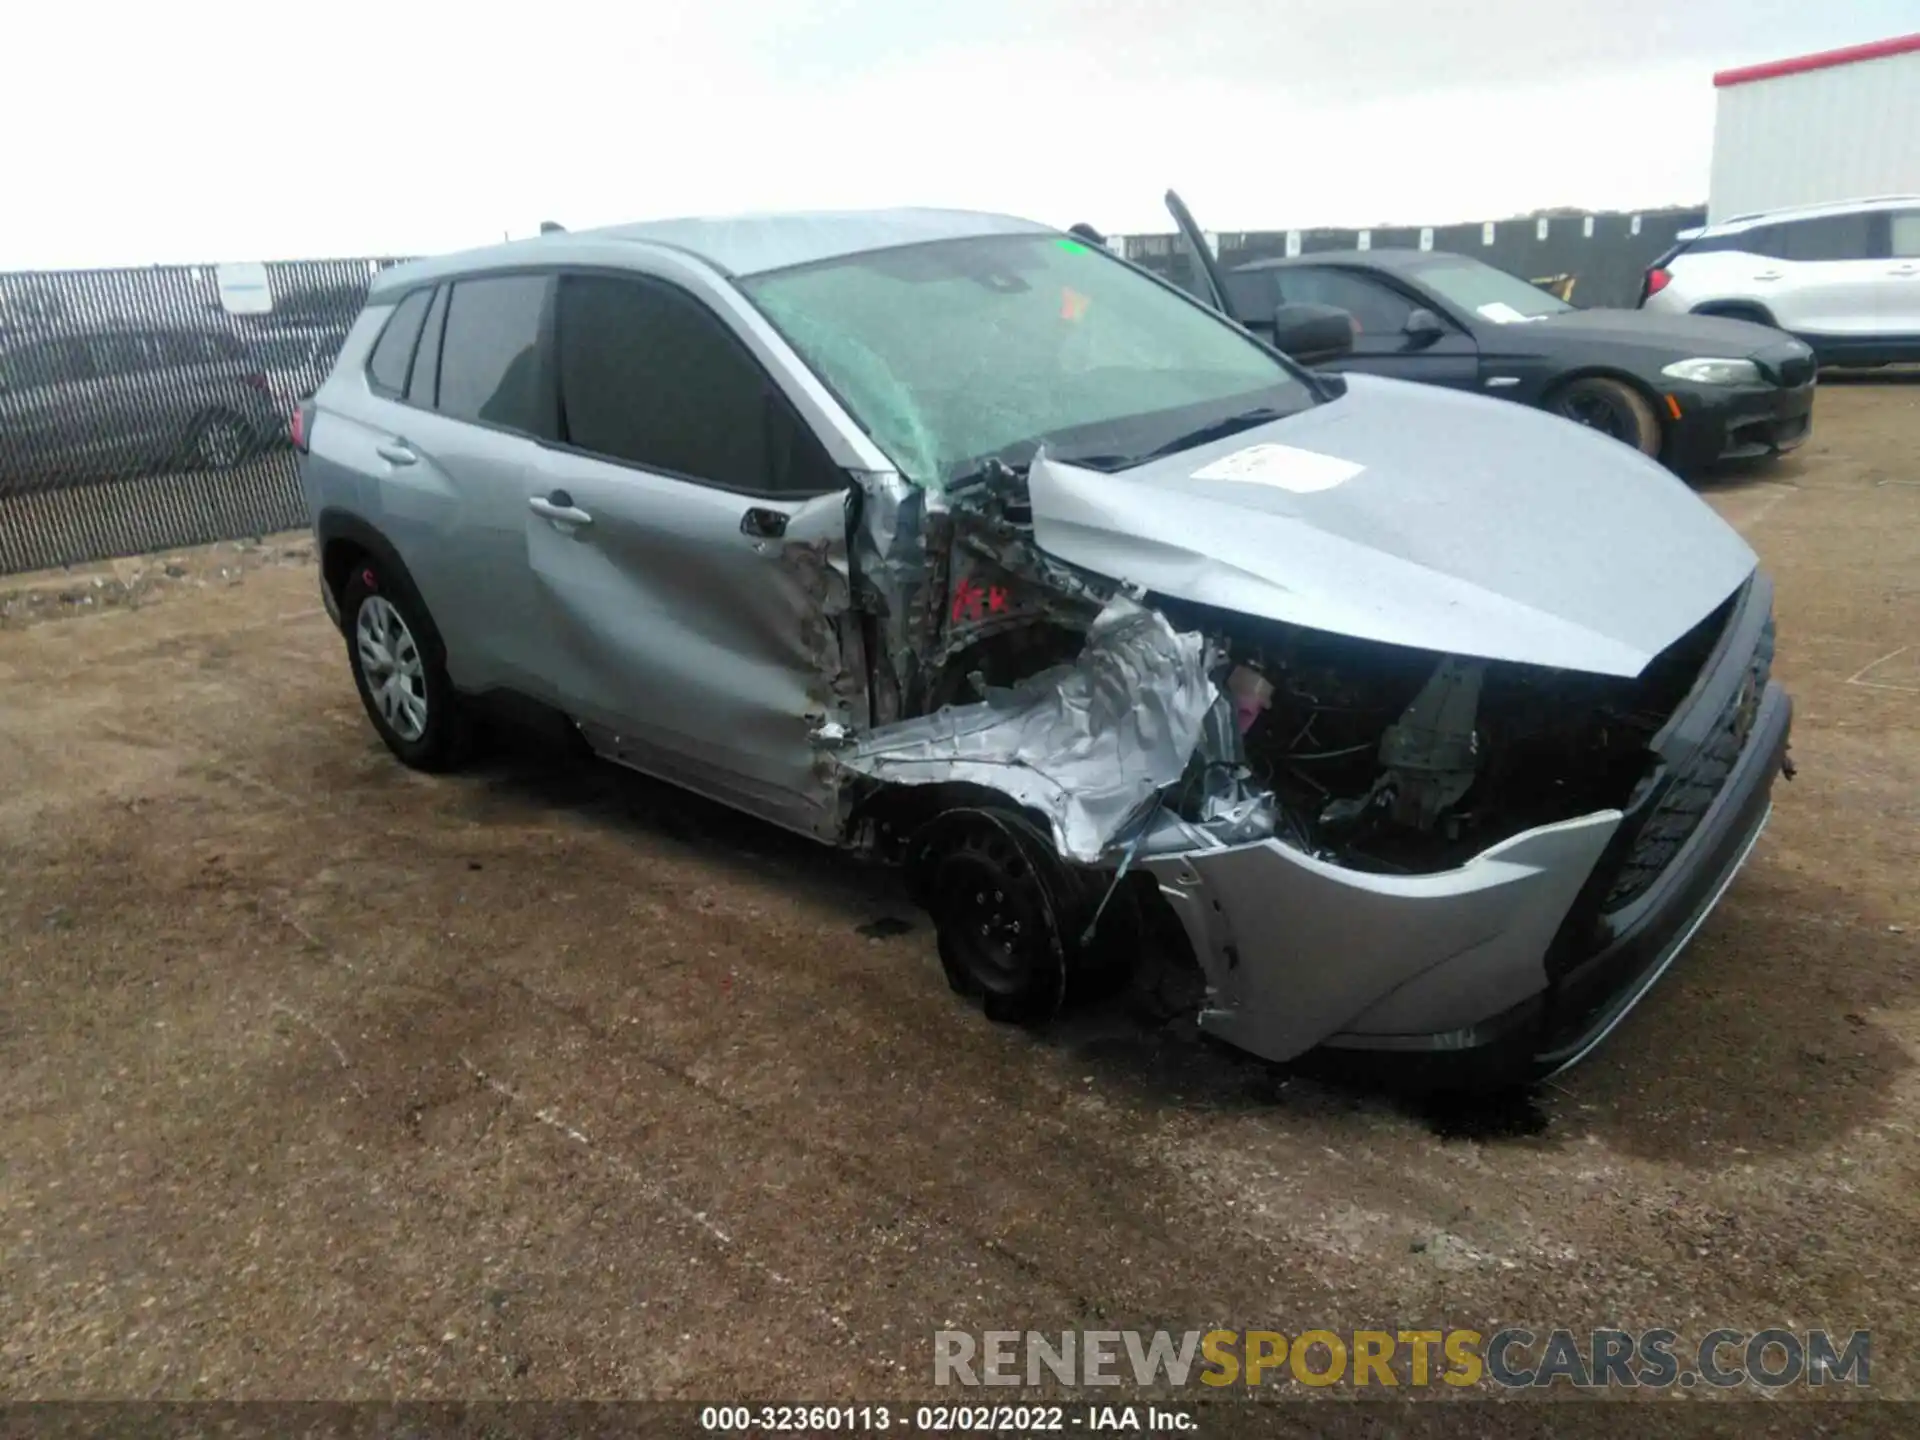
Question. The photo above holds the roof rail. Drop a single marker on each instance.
(1817, 205)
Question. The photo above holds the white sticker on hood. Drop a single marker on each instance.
(1283, 467)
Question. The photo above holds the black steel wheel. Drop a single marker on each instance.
(1612, 407)
(994, 887)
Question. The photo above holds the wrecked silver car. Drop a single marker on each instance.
(1424, 725)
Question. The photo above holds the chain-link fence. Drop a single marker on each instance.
(144, 409)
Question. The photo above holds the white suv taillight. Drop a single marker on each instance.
(1657, 281)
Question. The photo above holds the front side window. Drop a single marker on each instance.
(1377, 311)
(393, 351)
(960, 351)
(119, 354)
(1486, 292)
(649, 377)
(490, 368)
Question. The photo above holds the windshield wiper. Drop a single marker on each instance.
(1216, 430)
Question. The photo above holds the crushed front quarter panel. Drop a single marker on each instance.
(1293, 948)
(1089, 745)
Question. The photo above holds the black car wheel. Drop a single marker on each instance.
(399, 672)
(1612, 407)
(220, 442)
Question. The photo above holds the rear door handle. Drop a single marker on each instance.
(559, 507)
(1905, 270)
(397, 452)
(1768, 275)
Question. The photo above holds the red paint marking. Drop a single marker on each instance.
(997, 599)
(1823, 60)
(966, 600)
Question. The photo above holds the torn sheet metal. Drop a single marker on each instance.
(1089, 745)
(1458, 525)
(1295, 948)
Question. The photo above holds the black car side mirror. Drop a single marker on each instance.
(1312, 334)
(1423, 327)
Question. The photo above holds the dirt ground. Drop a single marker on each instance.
(321, 1078)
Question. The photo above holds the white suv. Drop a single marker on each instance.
(1844, 277)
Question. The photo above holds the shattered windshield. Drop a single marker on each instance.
(1489, 293)
(961, 351)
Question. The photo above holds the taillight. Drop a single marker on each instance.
(1656, 282)
(300, 427)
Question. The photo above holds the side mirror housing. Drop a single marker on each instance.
(1311, 334)
(1423, 327)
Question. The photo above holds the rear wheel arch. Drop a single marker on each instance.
(348, 543)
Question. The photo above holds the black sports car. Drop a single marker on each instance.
(1689, 389)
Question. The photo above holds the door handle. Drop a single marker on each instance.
(1768, 275)
(1905, 270)
(763, 524)
(559, 507)
(397, 452)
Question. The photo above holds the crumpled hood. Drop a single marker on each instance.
(1414, 516)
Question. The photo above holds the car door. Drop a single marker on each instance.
(1822, 275)
(139, 407)
(687, 538)
(1385, 340)
(460, 397)
(40, 397)
(1899, 305)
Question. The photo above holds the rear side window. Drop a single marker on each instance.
(650, 377)
(1824, 237)
(424, 388)
(490, 368)
(393, 352)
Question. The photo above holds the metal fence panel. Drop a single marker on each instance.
(146, 409)
(1594, 260)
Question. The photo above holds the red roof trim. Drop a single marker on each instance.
(1826, 59)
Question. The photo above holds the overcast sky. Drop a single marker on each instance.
(206, 130)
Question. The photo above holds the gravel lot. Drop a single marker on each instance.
(320, 1078)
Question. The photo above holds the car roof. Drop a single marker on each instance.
(737, 245)
(1733, 224)
(1386, 258)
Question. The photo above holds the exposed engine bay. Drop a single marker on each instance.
(1400, 761)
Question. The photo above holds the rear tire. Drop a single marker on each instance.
(394, 652)
(1612, 407)
(220, 442)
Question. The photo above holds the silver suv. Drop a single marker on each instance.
(1422, 725)
(87, 401)
(1845, 278)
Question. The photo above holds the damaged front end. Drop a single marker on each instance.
(1366, 845)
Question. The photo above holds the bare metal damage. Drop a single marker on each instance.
(1089, 745)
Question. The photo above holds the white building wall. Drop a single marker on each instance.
(1840, 133)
